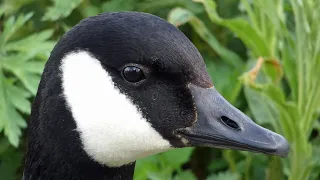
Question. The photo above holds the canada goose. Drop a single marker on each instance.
(121, 86)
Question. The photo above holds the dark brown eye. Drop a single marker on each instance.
(133, 74)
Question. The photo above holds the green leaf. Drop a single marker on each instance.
(272, 71)
(316, 161)
(224, 176)
(4, 145)
(262, 107)
(18, 98)
(159, 176)
(11, 26)
(19, 60)
(2, 10)
(177, 157)
(153, 5)
(161, 166)
(10, 162)
(290, 68)
(60, 9)
(218, 164)
(30, 81)
(225, 76)
(26, 71)
(250, 37)
(11, 121)
(185, 175)
(11, 6)
(316, 152)
(179, 16)
(90, 11)
(118, 5)
(32, 44)
(145, 166)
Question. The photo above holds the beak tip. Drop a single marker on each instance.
(282, 146)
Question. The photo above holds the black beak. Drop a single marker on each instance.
(221, 125)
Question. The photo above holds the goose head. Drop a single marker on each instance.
(121, 86)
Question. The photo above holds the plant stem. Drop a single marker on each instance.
(247, 167)
(227, 154)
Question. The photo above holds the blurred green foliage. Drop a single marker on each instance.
(263, 56)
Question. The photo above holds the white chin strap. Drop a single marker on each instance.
(112, 130)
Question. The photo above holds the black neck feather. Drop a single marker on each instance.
(43, 166)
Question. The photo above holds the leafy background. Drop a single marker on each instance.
(263, 56)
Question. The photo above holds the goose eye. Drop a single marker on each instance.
(133, 74)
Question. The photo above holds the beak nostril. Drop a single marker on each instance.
(230, 123)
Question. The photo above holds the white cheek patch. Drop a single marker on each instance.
(112, 130)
